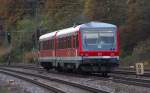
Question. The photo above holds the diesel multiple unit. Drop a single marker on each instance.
(89, 47)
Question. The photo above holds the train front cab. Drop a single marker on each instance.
(99, 49)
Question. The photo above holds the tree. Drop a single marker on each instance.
(112, 11)
(138, 25)
(62, 13)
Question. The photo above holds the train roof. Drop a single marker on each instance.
(47, 36)
(67, 31)
(94, 24)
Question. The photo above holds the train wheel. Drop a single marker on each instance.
(84, 70)
(47, 68)
(59, 68)
(104, 74)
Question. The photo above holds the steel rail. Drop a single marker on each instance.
(127, 72)
(90, 89)
(55, 90)
(117, 78)
(131, 81)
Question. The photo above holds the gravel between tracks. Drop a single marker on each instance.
(21, 86)
(98, 83)
(7, 87)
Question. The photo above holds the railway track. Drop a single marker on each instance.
(131, 80)
(127, 72)
(125, 77)
(31, 80)
(52, 84)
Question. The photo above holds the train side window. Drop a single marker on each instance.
(68, 41)
(56, 45)
(65, 42)
(50, 44)
(59, 43)
(76, 41)
(46, 45)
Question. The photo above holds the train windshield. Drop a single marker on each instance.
(102, 40)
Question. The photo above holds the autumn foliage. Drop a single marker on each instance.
(131, 16)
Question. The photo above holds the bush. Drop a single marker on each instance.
(141, 53)
(29, 57)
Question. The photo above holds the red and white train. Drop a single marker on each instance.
(89, 47)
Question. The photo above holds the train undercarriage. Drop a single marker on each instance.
(83, 68)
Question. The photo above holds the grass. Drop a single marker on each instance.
(4, 90)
